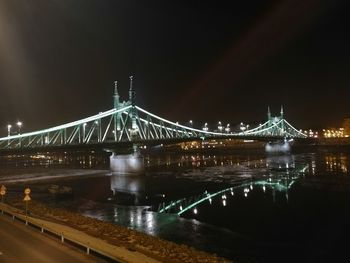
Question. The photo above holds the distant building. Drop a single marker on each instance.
(346, 125)
(334, 133)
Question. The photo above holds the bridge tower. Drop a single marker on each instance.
(117, 116)
(276, 123)
(132, 163)
(133, 112)
(282, 123)
(269, 118)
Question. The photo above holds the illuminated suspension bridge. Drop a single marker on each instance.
(127, 122)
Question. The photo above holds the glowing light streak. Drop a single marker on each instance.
(246, 190)
(67, 125)
(182, 126)
(303, 134)
(172, 205)
(207, 197)
(163, 131)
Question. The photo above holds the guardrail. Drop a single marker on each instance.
(69, 235)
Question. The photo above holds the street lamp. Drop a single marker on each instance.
(98, 124)
(205, 128)
(228, 129)
(220, 127)
(242, 127)
(191, 123)
(19, 124)
(9, 130)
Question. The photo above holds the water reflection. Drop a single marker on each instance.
(336, 163)
(138, 219)
(283, 174)
(132, 188)
(281, 162)
(87, 159)
(331, 162)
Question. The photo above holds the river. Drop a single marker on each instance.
(250, 207)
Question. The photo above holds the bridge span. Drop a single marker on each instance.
(128, 124)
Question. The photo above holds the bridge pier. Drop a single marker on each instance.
(278, 147)
(127, 164)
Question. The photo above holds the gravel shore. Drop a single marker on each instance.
(133, 240)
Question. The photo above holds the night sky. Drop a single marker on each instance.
(200, 60)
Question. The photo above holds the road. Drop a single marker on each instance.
(21, 243)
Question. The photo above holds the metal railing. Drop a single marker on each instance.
(104, 249)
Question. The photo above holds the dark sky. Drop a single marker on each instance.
(200, 60)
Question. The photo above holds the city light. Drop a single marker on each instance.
(9, 130)
(243, 127)
(220, 127)
(327, 133)
(334, 133)
(19, 124)
(205, 128)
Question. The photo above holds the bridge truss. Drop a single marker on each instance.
(127, 122)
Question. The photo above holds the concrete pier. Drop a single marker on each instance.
(127, 164)
(278, 147)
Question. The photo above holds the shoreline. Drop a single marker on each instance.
(159, 249)
(49, 174)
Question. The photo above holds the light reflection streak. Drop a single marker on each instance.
(282, 184)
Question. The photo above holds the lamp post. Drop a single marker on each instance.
(205, 128)
(191, 123)
(242, 127)
(19, 124)
(228, 129)
(9, 126)
(98, 130)
(220, 127)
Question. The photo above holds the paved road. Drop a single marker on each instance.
(20, 243)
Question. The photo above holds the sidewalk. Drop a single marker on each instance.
(102, 247)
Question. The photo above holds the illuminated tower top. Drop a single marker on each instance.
(281, 111)
(131, 92)
(116, 96)
(268, 113)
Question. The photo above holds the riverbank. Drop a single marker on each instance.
(24, 175)
(164, 251)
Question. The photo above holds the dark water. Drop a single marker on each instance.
(248, 208)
